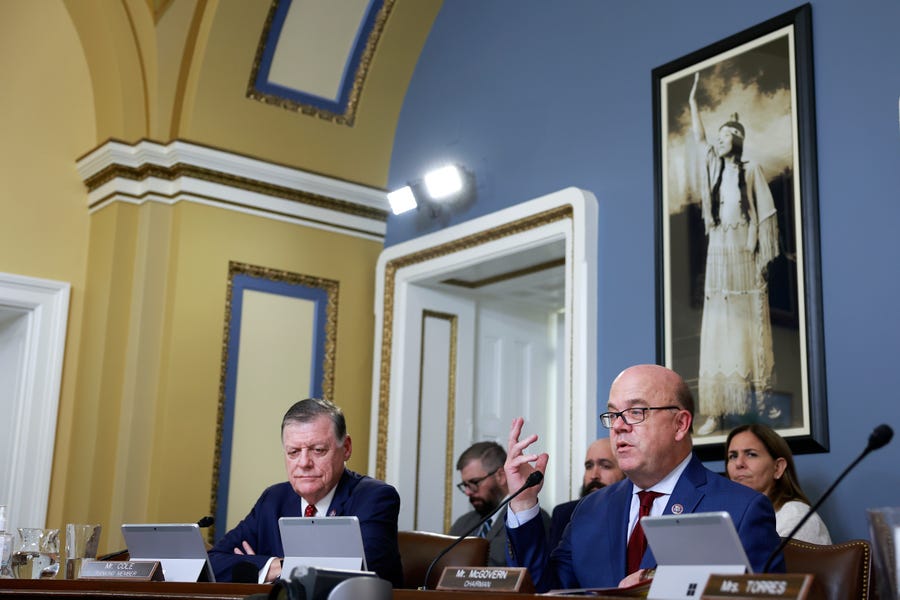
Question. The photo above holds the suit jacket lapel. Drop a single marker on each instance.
(689, 490)
(498, 524)
(341, 494)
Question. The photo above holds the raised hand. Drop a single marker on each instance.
(519, 466)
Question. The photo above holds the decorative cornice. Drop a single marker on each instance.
(180, 171)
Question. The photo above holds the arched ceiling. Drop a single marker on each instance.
(312, 84)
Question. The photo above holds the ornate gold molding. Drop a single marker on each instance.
(348, 117)
(387, 328)
(179, 170)
(330, 286)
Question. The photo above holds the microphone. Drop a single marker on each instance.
(535, 478)
(879, 437)
(206, 521)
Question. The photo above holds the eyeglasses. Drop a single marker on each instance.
(472, 484)
(631, 416)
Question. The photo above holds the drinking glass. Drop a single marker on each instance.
(6, 544)
(81, 544)
(4, 515)
(37, 554)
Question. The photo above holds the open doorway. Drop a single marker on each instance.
(476, 324)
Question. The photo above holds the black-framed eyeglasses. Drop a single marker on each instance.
(472, 484)
(631, 416)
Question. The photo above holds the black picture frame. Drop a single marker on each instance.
(765, 75)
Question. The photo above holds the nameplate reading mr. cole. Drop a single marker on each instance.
(141, 570)
(486, 579)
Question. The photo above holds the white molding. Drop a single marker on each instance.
(581, 309)
(46, 305)
(191, 189)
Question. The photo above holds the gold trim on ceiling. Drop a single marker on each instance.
(331, 287)
(179, 170)
(348, 117)
(550, 264)
(387, 327)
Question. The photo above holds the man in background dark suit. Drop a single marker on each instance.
(600, 470)
(316, 446)
(484, 482)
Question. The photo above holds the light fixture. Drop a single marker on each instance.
(402, 200)
(439, 188)
(444, 182)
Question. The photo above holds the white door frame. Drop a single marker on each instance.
(571, 214)
(34, 401)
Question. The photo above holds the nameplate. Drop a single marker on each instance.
(139, 570)
(774, 586)
(486, 579)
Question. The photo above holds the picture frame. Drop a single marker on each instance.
(738, 274)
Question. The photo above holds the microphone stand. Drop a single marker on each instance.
(535, 478)
(879, 437)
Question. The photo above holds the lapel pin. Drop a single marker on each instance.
(677, 509)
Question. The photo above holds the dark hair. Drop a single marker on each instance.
(310, 409)
(491, 454)
(787, 487)
(737, 146)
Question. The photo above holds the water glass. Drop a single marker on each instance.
(37, 554)
(81, 544)
(6, 544)
(4, 516)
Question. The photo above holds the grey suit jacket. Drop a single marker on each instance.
(496, 536)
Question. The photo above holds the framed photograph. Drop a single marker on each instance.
(739, 307)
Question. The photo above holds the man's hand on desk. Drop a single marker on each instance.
(274, 571)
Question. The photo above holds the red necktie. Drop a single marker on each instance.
(310, 510)
(638, 543)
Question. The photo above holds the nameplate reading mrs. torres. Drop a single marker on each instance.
(792, 586)
(140, 570)
(486, 579)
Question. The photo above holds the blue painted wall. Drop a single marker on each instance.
(534, 96)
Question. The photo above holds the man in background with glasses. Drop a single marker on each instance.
(649, 414)
(484, 482)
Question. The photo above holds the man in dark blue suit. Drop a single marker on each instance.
(600, 470)
(316, 446)
(650, 412)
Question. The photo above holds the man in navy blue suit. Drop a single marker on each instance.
(316, 446)
(650, 413)
(600, 470)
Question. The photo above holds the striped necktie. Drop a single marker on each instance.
(485, 528)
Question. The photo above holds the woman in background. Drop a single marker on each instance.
(756, 456)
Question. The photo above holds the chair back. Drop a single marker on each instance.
(844, 570)
(419, 548)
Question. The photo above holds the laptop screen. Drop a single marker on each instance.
(179, 547)
(325, 542)
(695, 539)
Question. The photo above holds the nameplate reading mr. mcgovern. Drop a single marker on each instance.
(140, 570)
(486, 579)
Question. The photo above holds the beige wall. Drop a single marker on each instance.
(136, 435)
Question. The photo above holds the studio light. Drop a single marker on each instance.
(402, 200)
(441, 191)
(444, 182)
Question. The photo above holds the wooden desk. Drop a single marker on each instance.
(61, 589)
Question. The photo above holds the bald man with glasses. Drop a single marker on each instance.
(484, 482)
(649, 414)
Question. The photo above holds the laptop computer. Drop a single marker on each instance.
(179, 548)
(688, 549)
(322, 542)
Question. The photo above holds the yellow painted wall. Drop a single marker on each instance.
(47, 119)
(136, 435)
